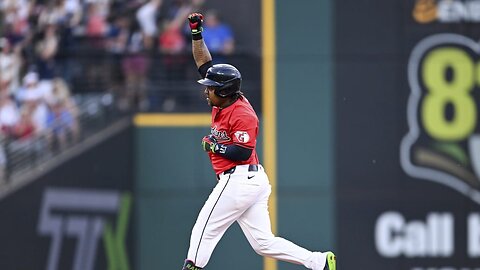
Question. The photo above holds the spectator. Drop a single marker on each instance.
(96, 21)
(10, 63)
(171, 39)
(96, 31)
(172, 45)
(61, 93)
(117, 35)
(16, 26)
(62, 126)
(46, 49)
(26, 142)
(30, 87)
(9, 117)
(135, 67)
(147, 18)
(72, 12)
(218, 35)
(9, 114)
(24, 129)
(31, 98)
(16, 14)
(63, 13)
(51, 13)
(117, 39)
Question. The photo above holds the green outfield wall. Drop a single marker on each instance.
(304, 125)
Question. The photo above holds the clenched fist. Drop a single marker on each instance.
(195, 21)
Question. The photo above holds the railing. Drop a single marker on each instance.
(101, 88)
(95, 112)
(169, 81)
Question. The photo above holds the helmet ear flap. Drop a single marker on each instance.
(225, 90)
(219, 92)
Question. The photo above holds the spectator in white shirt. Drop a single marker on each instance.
(147, 18)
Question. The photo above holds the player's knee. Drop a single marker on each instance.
(189, 265)
(262, 246)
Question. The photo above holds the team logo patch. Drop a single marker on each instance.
(242, 136)
(443, 141)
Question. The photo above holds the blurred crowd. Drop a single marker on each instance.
(46, 36)
(39, 40)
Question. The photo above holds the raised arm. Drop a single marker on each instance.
(201, 54)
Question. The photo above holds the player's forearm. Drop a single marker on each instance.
(236, 153)
(232, 151)
(201, 54)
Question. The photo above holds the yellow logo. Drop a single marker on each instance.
(443, 141)
(425, 11)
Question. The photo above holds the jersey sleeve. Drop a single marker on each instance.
(244, 130)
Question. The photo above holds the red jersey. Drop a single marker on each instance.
(235, 124)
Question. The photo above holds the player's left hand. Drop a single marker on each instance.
(209, 143)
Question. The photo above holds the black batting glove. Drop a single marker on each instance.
(195, 20)
(210, 144)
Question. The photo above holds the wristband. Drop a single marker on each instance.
(197, 36)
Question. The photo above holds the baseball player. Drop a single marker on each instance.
(242, 190)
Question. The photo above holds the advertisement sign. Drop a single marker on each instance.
(83, 214)
(77, 216)
(443, 141)
(408, 129)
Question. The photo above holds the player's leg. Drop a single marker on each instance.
(217, 214)
(255, 224)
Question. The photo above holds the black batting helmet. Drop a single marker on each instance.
(225, 78)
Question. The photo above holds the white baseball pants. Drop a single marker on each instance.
(243, 197)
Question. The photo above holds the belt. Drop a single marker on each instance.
(251, 168)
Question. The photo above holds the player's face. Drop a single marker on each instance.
(212, 99)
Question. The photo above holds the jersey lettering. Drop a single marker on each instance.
(220, 135)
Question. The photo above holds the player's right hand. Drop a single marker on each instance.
(195, 21)
(209, 143)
